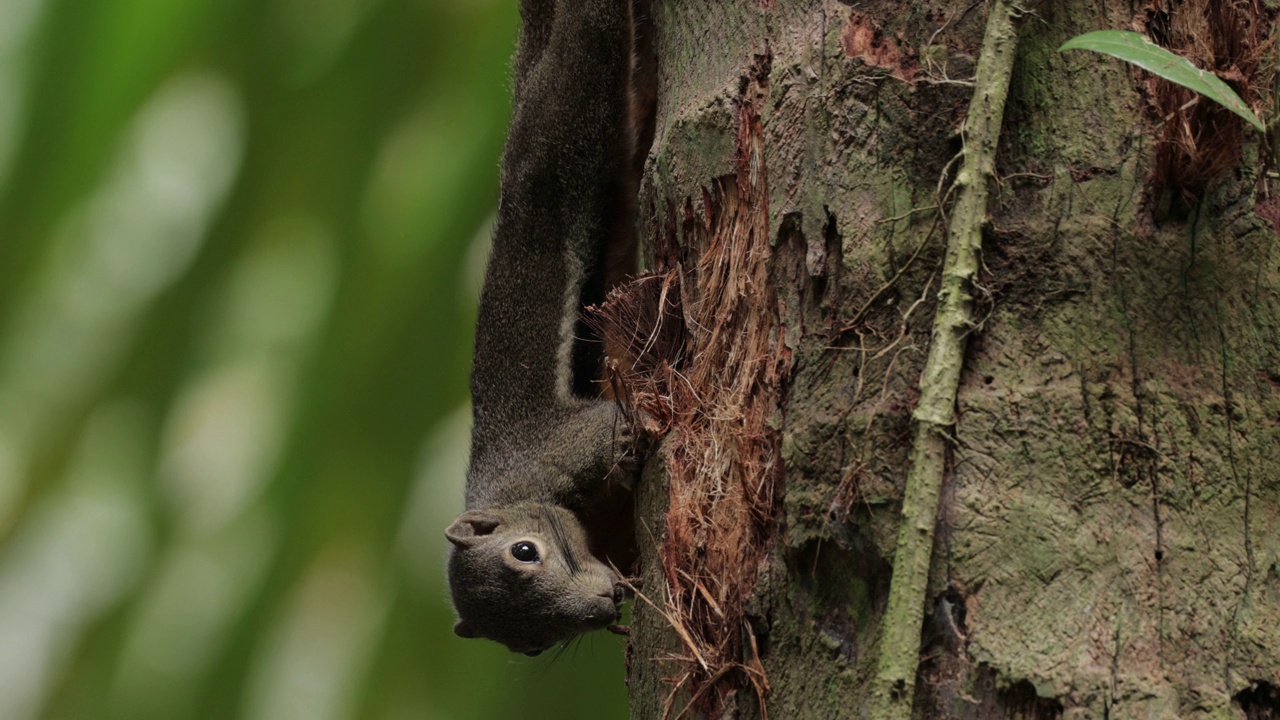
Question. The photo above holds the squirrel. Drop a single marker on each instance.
(552, 459)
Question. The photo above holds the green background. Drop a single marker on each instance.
(240, 246)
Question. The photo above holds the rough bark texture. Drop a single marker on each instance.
(1109, 531)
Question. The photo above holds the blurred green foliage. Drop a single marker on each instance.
(240, 243)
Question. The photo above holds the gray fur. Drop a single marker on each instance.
(540, 453)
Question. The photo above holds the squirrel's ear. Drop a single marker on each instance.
(463, 630)
(470, 526)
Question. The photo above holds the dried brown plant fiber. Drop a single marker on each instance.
(703, 368)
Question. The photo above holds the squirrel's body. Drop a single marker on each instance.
(546, 448)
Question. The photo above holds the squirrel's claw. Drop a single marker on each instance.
(631, 445)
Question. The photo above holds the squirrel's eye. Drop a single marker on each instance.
(525, 552)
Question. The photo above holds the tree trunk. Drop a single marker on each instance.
(1107, 541)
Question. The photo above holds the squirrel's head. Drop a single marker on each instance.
(525, 577)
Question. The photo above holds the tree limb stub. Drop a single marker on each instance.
(935, 413)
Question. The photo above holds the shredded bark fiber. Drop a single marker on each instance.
(703, 370)
(1200, 138)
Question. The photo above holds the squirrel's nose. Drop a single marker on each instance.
(619, 593)
(608, 613)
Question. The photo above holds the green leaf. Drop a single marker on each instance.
(1133, 48)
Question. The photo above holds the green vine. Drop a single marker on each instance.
(894, 686)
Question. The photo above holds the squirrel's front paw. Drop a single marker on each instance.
(631, 445)
(626, 468)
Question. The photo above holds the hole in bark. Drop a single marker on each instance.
(1260, 702)
(955, 146)
(946, 630)
(955, 605)
(945, 686)
(987, 379)
(833, 246)
(1021, 701)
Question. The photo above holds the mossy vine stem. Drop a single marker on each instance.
(934, 415)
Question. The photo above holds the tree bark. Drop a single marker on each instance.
(1107, 542)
